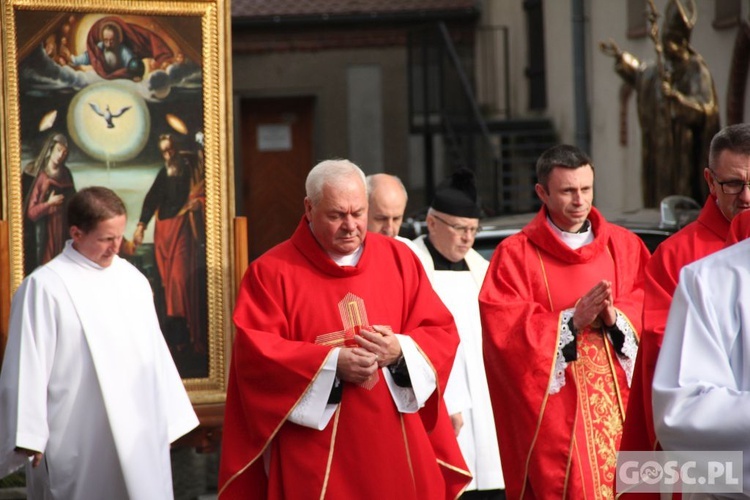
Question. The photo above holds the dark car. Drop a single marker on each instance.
(652, 225)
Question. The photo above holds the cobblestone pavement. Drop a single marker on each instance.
(195, 476)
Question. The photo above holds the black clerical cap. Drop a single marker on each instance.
(457, 195)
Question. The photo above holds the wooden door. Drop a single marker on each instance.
(277, 154)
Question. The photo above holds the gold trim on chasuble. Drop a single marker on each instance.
(354, 317)
(408, 451)
(546, 393)
(330, 452)
(599, 396)
(278, 428)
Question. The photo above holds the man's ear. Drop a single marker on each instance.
(430, 223)
(75, 232)
(541, 192)
(308, 208)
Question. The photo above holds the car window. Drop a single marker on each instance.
(485, 244)
(652, 225)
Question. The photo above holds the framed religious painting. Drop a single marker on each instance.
(134, 96)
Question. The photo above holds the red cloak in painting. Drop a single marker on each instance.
(142, 41)
(559, 424)
(178, 243)
(369, 450)
(702, 237)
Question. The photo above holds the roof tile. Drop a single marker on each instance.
(264, 8)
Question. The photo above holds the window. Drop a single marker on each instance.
(637, 18)
(726, 14)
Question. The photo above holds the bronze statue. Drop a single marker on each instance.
(677, 106)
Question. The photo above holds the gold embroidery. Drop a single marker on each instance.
(408, 452)
(353, 310)
(354, 317)
(602, 413)
(330, 452)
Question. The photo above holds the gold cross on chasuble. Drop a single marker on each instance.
(354, 318)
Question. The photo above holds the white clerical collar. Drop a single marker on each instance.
(343, 260)
(348, 260)
(78, 257)
(573, 240)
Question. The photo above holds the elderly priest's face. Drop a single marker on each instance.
(339, 219)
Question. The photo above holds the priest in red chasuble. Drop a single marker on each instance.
(727, 172)
(561, 311)
(341, 356)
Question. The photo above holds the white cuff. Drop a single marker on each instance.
(313, 410)
(423, 380)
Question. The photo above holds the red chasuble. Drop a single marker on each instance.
(559, 425)
(369, 450)
(696, 240)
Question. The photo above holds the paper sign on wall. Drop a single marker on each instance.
(275, 137)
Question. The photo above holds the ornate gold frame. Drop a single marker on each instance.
(215, 65)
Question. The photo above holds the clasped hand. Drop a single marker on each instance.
(597, 303)
(377, 348)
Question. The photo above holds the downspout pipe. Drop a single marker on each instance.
(580, 90)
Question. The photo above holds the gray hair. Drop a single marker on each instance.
(733, 138)
(330, 172)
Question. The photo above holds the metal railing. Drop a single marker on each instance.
(479, 135)
(442, 102)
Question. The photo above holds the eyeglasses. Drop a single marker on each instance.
(460, 229)
(730, 187)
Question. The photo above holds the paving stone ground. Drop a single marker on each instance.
(195, 476)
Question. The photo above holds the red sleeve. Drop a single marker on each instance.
(268, 374)
(631, 257)
(660, 282)
(520, 346)
(662, 274)
(739, 229)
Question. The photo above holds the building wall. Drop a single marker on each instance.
(618, 166)
(509, 13)
(334, 78)
(618, 185)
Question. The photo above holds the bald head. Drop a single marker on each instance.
(387, 203)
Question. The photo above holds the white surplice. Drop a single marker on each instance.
(87, 378)
(701, 388)
(467, 390)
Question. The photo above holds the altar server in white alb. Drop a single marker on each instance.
(90, 398)
(456, 272)
(701, 389)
